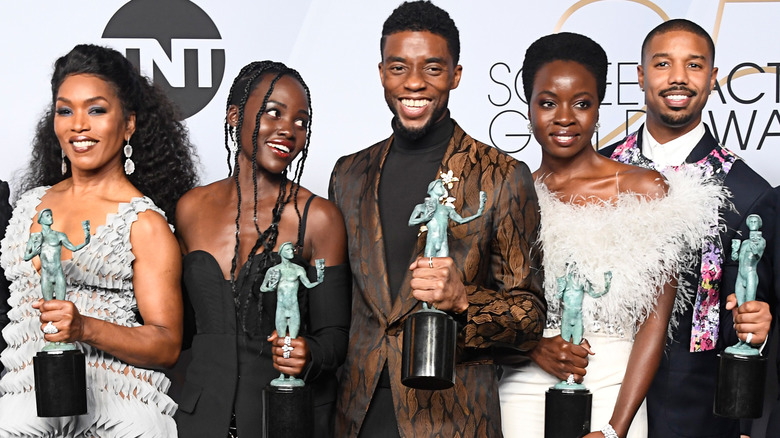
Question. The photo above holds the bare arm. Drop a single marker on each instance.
(324, 347)
(156, 281)
(643, 362)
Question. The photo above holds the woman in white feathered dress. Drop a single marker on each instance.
(599, 217)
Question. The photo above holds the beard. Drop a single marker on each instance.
(414, 134)
(676, 119)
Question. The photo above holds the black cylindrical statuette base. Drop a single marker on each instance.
(288, 412)
(60, 383)
(740, 389)
(428, 360)
(567, 413)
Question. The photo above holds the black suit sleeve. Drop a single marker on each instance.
(5, 216)
(751, 194)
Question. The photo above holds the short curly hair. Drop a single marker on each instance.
(678, 24)
(565, 46)
(164, 159)
(421, 16)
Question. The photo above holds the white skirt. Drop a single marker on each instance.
(522, 390)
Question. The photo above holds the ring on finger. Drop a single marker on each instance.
(430, 262)
(286, 351)
(749, 338)
(570, 379)
(50, 329)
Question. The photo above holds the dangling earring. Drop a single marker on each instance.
(129, 165)
(530, 128)
(233, 144)
(64, 164)
(598, 125)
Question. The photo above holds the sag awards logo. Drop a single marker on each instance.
(742, 109)
(174, 42)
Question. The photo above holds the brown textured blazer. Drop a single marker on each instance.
(500, 268)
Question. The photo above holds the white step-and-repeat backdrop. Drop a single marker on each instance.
(195, 49)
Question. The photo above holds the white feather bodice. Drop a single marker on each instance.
(643, 242)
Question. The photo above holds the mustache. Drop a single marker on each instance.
(678, 88)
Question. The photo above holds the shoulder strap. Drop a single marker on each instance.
(302, 225)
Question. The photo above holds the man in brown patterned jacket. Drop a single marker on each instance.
(490, 283)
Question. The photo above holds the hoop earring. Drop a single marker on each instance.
(64, 167)
(129, 164)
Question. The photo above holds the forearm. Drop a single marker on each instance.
(514, 319)
(642, 363)
(329, 318)
(511, 312)
(148, 346)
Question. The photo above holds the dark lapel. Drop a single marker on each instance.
(370, 241)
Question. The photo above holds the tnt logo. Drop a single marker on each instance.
(175, 42)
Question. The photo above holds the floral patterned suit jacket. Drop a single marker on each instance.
(499, 267)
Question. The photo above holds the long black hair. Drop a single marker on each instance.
(164, 158)
(243, 85)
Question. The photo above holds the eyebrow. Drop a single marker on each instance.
(581, 93)
(434, 59)
(667, 55)
(283, 105)
(90, 100)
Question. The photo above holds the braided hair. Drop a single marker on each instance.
(243, 85)
(164, 158)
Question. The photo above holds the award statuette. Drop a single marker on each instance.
(288, 410)
(741, 371)
(60, 376)
(567, 405)
(430, 335)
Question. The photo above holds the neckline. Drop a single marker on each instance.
(42, 190)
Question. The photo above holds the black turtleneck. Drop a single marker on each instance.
(410, 166)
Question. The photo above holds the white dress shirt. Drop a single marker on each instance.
(673, 152)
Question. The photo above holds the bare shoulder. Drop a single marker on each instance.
(326, 234)
(150, 223)
(201, 200)
(642, 181)
(324, 214)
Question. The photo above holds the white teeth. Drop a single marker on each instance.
(677, 97)
(84, 143)
(282, 148)
(414, 103)
(564, 138)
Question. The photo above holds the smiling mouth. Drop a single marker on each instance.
(279, 147)
(83, 144)
(415, 103)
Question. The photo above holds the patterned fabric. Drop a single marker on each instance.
(122, 400)
(499, 266)
(706, 310)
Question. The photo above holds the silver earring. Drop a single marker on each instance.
(530, 128)
(129, 165)
(64, 164)
(598, 125)
(233, 144)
